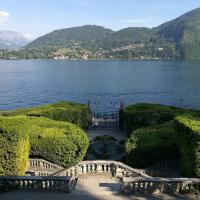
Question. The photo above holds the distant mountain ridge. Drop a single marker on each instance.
(185, 32)
(67, 37)
(176, 39)
(12, 40)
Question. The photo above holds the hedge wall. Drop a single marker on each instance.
(14, 146)
(189, 140)
(163, 133)
(147, 146)
(143, 115)
(75, 113)
(59, 142)
(62, 143)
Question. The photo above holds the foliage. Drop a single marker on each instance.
(184, 31)
(188, 127)
(163, 133)
(59, 142)
(147, 146)
(70, 36)
(143, 115)
(175, 39)
(62, 143)
(14, 146)
(78, 114)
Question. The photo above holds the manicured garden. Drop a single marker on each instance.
(75, 113)
(159, 133)
(42, 132)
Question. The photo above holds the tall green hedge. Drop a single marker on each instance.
(75, 113)
(189, 141)
(163, 133)
(62, 143)
(144, 115)
(150, 145)
(14, 146)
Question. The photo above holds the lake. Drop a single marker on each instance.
(26, 83)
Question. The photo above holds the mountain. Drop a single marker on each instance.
(92, 36)
(96, 42)
(85, 36)
(176, 39)
(185, 32)
(127, 36)
(12, 40)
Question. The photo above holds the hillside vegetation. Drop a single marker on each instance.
(176, 39)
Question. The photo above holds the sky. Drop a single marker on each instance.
(34, 18)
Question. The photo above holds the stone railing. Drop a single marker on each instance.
(159, 169)
(117, 169)
(35, 183)
(164, 185)
(40, 167)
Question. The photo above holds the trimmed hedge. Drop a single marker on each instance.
(75, 113)
(163, 133)
(147, 146)
(14, 146)
(144, 115)
(189, 140)
(59, 142)
(62, 143)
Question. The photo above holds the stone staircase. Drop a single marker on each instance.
(130, 180)
(114, 168)
(40, 167)
(96, 177)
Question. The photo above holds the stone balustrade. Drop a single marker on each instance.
(35, 183)
(164, 185)
(40, 167)
(115, 168)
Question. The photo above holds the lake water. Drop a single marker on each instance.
(35, 82)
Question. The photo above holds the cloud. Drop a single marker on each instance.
(4, 16)
(29, 36)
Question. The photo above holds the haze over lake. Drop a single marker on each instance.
(26, 83)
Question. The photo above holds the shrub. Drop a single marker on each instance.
(62, 143)
(147, 146)
(189, 141)
(143, 115)
(59, 142)
(75, 113)
(14, 146)
(163, 133)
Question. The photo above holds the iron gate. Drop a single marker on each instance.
(105, 120)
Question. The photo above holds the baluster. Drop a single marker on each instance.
(102, 168)
(95, 168)
(51, 185)
(82, 169)
(87, 168)
(139, 186)
(133, 187)
(71, 172)
(99, 168)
